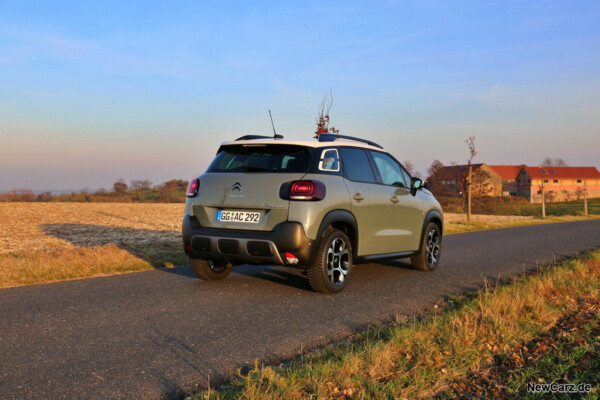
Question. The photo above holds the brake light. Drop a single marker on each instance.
(193, 188)
(291, 259)
(307, 190)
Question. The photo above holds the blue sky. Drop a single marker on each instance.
(95, 91)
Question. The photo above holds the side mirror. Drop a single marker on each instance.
(415, 184)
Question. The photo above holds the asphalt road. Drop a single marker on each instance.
(163, 333)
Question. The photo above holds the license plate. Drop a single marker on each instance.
(247, 217)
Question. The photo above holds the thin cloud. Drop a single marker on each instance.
(28, 43)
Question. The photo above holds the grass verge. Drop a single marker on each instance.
(542, 327)
(464, 226)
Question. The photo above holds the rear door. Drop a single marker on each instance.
(369, 202)
(244, 180)
(406, 216)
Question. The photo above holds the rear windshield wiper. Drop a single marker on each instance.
(251, 168)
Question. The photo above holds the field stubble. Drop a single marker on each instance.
(43, 242)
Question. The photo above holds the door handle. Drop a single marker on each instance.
(395, 199)
(358, 197)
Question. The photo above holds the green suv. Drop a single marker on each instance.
(319, 204)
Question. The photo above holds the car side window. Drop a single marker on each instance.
(406, 176)
(390, 171)
(330, 160)
(356, 165)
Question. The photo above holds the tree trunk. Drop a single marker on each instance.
(543, 202)
(469, 194)
(585, 211)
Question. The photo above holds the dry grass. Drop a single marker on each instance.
(69, 264)
(458, 344)
(457, 223)
(44, 242)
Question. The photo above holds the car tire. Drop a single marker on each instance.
(331, 269)
(428, 257)
(210, 270)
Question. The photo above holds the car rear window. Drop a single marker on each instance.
(261, 158)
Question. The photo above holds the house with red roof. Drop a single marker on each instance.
(488, 180)
(508, 174)
(559, 183)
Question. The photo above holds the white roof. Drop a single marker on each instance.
(304, 142)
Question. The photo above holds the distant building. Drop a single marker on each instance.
(508, 174)
(560, 183)
(488, 180)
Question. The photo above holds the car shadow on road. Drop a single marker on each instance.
(296, 278)
(398, 263)
(163, 248)
(158, 248)
(281, 275)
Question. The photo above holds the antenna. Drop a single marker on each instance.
(274, 133)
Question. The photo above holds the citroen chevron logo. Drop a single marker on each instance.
(236, 186)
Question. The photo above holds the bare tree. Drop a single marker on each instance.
(480, 186)
(553, 162)
(472, 153)
(542, 192)
(559, 162)
(85, 195)
(323, 116)
(18, 195)
(46, 196)
(141, 184)
(434, 176)
(410, 168)
(120, 187)
(462, 177)
(585, 205)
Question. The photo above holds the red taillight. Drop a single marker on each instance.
(291, 259)
(193, 187)
(307, 190)
(188, 248)
(300, 188)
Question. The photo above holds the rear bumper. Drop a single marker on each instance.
(250, 247)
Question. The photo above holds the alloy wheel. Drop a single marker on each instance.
(433, 247)
(337, 261)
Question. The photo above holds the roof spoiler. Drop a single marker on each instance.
(254, 137)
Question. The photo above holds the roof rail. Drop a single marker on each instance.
(330, 137)
(254, 137)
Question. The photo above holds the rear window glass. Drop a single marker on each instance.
(261, 158)
(356, 165)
